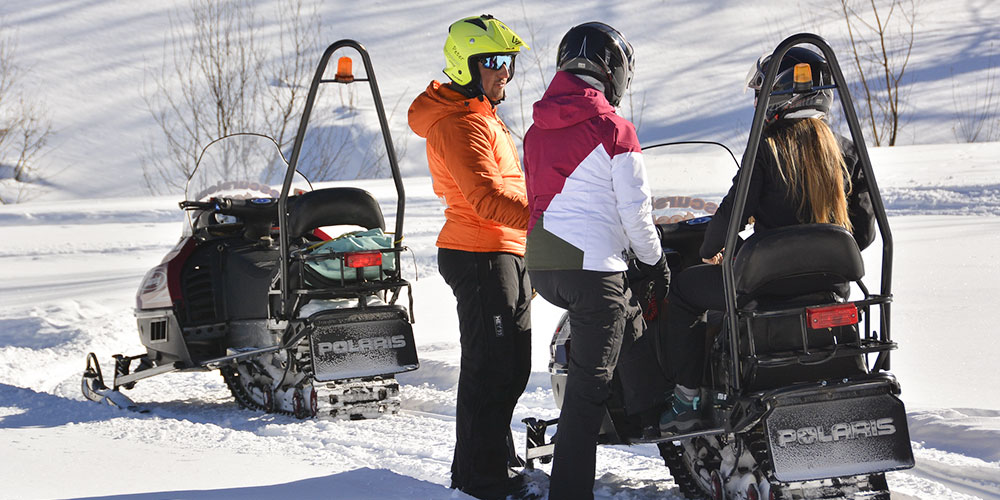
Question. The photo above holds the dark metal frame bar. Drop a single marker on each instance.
(318, 79)
(743, 185)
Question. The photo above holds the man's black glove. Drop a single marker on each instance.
(658, 278)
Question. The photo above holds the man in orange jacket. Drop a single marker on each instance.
(476, 170)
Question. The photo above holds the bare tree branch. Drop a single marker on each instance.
(218, 77)
(25, 128)
(874, 46)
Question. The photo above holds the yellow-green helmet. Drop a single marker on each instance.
(477, 36)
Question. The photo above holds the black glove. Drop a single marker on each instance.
(658, 278)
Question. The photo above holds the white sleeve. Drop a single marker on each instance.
(632, 194)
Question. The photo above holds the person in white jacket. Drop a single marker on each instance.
(589, 203)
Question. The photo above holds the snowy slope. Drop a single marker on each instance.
(91, 64)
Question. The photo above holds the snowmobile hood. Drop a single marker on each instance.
(439, 101)
(568, 101)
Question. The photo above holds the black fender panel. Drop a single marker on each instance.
(837, 432)
(348, 344)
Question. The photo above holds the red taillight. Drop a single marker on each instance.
(831, 316)
(363, 259)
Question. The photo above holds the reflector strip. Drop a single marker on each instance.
(363, 259)
(831, 316)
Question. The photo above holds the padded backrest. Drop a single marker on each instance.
(334, 207)
(796, 260)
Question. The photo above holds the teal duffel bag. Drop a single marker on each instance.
(372, 239)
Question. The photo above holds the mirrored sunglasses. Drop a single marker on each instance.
(495, 62)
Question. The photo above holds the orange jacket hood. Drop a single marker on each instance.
(476, 170)
(435, 103)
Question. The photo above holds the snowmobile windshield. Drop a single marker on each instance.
(241, 166)
(688, 179)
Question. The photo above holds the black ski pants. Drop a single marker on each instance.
(692, 292)
(493, 295)
(598, 305)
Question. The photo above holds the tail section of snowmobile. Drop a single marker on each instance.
(797, 400)
(295, 321)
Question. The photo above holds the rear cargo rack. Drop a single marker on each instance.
(869, 341)
(346, 286)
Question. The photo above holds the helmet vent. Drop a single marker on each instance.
(478, 22)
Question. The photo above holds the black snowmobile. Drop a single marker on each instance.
(297, 322)
(800, 403)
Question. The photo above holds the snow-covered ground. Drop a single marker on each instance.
(69, 271)
(71, 259)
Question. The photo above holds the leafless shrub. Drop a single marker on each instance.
(881, 41)
(24, 128)
(218, 77)
(636, 107)
(534, 70)
(976, 114)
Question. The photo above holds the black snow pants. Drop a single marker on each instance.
(599, 310)
(493, 295)
(692, 292)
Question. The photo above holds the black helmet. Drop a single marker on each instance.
(792, 102)
(600, 51)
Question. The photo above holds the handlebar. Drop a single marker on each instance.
(197, 205)
(232, 206)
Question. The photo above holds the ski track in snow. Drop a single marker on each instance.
(43, 342)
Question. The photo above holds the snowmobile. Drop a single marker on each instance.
(296, 322)
(799, 401)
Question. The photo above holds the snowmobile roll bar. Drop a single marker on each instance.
(743, 185)
(297, 147)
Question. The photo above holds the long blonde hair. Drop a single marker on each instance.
(811, 163)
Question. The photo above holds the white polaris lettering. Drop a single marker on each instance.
(861, 429)
(786, 436)
(361, 345)
(858, 429)
(807, 435)
(840, 431)
(885, 427)
(822, 436)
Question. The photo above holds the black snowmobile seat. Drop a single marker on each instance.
(798, 266)
(798, 260)
(334, 207)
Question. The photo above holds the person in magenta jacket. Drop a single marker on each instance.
(589, 202)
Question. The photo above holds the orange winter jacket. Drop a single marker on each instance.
(475, 168)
